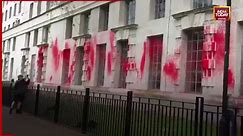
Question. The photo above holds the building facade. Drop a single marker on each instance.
(163, 45)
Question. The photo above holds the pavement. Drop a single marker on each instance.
(28, 125)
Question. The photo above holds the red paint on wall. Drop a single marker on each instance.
(219, 39)
(231, 80)
(143, 60)
(170, 70)
(56, 55)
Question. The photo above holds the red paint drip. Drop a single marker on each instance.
(50, 78)
(56, 55)
(170, 70)
(142, 63)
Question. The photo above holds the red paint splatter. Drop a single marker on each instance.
(170, 70)
(50, 78)
(88, 73)
(56, 55)
(142, 63)
(219, 39)
(231, 80)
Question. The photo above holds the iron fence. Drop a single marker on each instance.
(102, 114)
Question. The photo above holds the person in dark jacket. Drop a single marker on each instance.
(20, 88)
(12, 96)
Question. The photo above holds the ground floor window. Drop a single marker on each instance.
(123, 50)
(194, 71)
(155, 57)
(101, 55)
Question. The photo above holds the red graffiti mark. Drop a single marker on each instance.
(142, 63)
(231, 80)
(170, 70)
(110, 53)
(50, 78)
(56, 55)
(219, 39)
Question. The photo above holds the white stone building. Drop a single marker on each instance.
(162, 45)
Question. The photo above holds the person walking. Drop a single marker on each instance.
(20, 88)
(12, 96)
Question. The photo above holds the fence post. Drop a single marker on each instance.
(57, 104)
(201, 116)
(37, 100)
(199, 108)
(128, 113)
(85, 111)
(241, 126)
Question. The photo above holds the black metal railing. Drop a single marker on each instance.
(105, 114)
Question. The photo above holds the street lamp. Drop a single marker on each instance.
(224, 122)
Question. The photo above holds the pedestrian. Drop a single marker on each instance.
(12, 96)
(232, 112)
(20, 88)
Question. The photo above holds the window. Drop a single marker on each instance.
(14, 44)
(6, 15)
(31, 10)
(101, 52)
(15, 9)
(48, 5)
(11, 68)
(159, 9)
(4, 44)
(8, 45)
(69, 27)
(20, 6)
(39, 8)
(155, 49)
(104, 17)
(10, 12)
(45, 34)
(35, 37)
(194, 61)
(201, 3)
(131, 9)
(123, 51)
(85, 23)
(27, 40)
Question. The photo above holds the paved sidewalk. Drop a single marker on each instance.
(27, 125)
